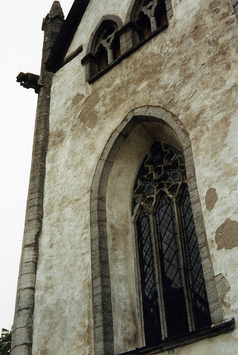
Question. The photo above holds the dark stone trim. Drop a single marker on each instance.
(88, 57)
(73, 55)
(22, 334)
(66, 35)
(187, 339)
(123, 56)
(101, 289)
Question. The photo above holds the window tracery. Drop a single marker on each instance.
(104, 46)
(150, 15)
(104, 51)
(111, 41)
(172, 284)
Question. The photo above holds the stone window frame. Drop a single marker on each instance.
(101, 284)
(127, 35)
(137, 5)
(146, 200)
(90, 61)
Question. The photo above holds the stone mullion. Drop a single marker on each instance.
(158, 271)
(169, 9)
(153, 24)
(110, 56)
(185, 274)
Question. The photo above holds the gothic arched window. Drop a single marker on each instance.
(149, 15)
(106, 46)
(172, 284)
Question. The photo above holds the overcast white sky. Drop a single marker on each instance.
(21, 44)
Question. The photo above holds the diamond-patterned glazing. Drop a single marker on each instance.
(197, 284)
(159, 183)
(148, 280)
(173, 287)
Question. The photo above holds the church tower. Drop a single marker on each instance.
(131, 233)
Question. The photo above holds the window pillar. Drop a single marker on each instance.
(110, 56)
(153, 24)
(128, 36)
(169, 9)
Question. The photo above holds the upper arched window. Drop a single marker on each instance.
(172, 284)
(149, 15)
(111, 42)
(106, 48)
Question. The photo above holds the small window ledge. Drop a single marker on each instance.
(190, 338)
(89, 56)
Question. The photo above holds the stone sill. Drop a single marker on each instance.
(127, 54)
(190, 338)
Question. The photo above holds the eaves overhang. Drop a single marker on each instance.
(66, 35)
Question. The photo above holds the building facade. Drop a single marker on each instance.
(131, 231)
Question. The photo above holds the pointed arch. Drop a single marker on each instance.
(103, 46)
(160, 123)
(104, 20)
(135, 5)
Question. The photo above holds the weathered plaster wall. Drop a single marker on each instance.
(191, 70)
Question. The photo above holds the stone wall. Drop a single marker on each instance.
(24, 308)
(190, 70)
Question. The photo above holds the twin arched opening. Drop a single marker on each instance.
(110, 42)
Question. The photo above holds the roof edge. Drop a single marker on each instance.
(66, 35)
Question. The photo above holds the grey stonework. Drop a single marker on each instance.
(24, 309)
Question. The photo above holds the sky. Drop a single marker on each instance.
(21, 41)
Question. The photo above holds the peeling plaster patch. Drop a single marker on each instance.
(77, 99)
(44, 352)
(211, 198)
(227, 235)
(197, 33)
(88, 114)
(223, 286)
(120, 171)
(214, 6)
(56, 138)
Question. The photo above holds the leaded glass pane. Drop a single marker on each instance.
(148, 280)
(173, 286)
(196, 279)
(182, 293)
